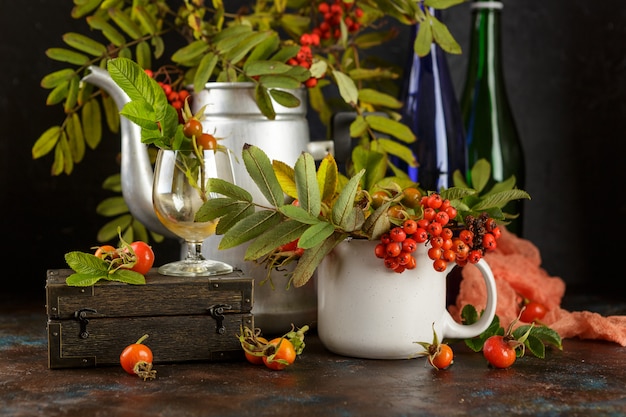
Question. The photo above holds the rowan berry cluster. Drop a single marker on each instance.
(304, 57)
(334, 14)
(447, 240)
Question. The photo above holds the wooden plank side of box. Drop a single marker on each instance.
(161, 296)
(171, 339)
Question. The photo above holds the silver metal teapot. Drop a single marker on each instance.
(230, 113)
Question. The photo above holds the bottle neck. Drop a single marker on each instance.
(485, 59)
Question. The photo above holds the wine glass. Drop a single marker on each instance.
(179, 190)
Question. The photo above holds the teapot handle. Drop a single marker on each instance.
(454, 330)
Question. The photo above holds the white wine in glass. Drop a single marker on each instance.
(179, 190)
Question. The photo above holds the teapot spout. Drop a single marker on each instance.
(136, 170)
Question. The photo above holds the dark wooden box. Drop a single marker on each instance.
(186, 318)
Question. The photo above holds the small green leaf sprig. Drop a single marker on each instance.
(532, 337)
(89, 269)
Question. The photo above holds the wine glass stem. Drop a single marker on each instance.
(194, 251)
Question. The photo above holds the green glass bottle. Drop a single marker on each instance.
(491, 132)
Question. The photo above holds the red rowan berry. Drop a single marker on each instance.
(435, 253)
(435, 228)
(440, 265)
(393, 249)
(420, 235)
(409, 226)
(489, 241)
(442, 218)
(466, 236)
(397, 234)
(380, 251)
(452, 212)
(409, 245)
(474, 256)
(436, 241)
(404, 258)
(434, 201)
(391, 263)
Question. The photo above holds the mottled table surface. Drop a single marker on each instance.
(587, 378)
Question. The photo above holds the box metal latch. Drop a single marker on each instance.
(81, 316)
(217, 312)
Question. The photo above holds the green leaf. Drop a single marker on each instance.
(279, 81)
(374, 163)
(260, 169)
(266, 67)
(92, 125)
(84, 44)
(283, 233)
(378, 98)
(135, 82)
(72, 94)
(264, 101)
(391, 127)
(215, 208)
(46, 142)
(58, 94)
(83, 280)
(378, 222)
(327, 178)
(191, 53)
(299, 214)
(67, 55)
(500, 199)
(83, 8)
(225, 188)
(127, 276)
(109, 230)
(423, 39)
(141, 113)
(345, 202)
(443, 37)
(236, 213)
(285, 98)
(85, 263)
(306, 184)
(263, 50)
(57, 78)
(75, 136)
(112, 206)
(480, 174)
(286, 177)
(358, 127)
(237, 53)
(111, 113)
(311, 258)
(347, 88)
(249, 228)
(395, 148)
(143, 55)
(316, 234)
(535, 346)
(457, 193)
(204, 71)
(125, 22)
(146, 20)
(112, 34)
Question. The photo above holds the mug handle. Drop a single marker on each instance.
(454, 330)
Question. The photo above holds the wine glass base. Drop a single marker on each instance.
(195, 268)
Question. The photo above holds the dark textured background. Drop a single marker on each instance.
(565, 63)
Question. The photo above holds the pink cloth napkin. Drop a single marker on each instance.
(516, 266)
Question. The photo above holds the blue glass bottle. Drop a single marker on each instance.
(432, 111)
